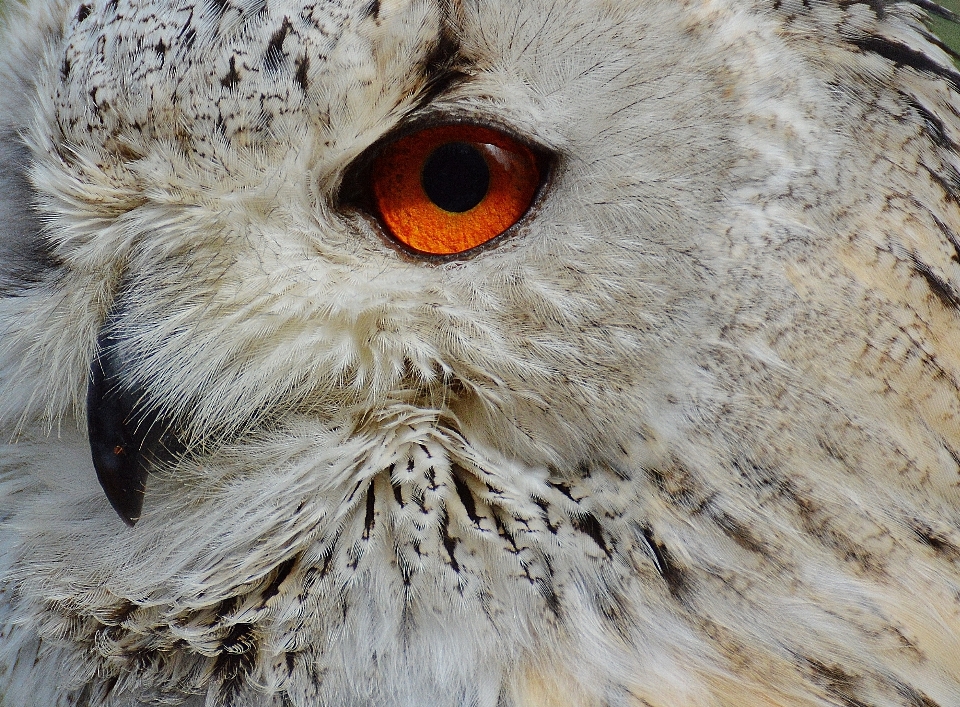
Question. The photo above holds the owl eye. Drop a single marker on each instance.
(447, 189)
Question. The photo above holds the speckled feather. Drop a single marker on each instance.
(688, 435)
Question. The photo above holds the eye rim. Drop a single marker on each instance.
(356, 193)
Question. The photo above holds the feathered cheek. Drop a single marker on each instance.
(146, 405)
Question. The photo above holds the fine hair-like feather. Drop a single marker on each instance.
(687, 434)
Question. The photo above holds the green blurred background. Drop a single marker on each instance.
(948, 31)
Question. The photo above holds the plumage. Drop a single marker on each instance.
(685, 435)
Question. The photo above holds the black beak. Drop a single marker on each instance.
(122, 437)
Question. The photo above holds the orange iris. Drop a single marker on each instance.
(447, 189)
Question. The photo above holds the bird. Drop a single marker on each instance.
(500, 353)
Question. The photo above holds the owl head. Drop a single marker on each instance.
(494, 353)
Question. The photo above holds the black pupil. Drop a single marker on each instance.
(455, 177)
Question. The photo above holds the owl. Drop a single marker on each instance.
(479, 353)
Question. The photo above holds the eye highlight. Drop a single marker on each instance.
(447, 189)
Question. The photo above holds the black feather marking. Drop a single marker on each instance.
(370, 516)
(450, 545)
(219, 7)
(564, 489)
(273, 58)
(236, 662)
(672, 574)
(934, 126)
(302, 74)
(878, 6)
(943, 46)
(465, 496)
(442, 68)
(739, 533)
(903, 55)
(590, 526)
(936, 9)
(281, 574)
(397, 493)
(914, 697)
(839, 684)
(943, 290)
(232, 78)
(938, 542)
